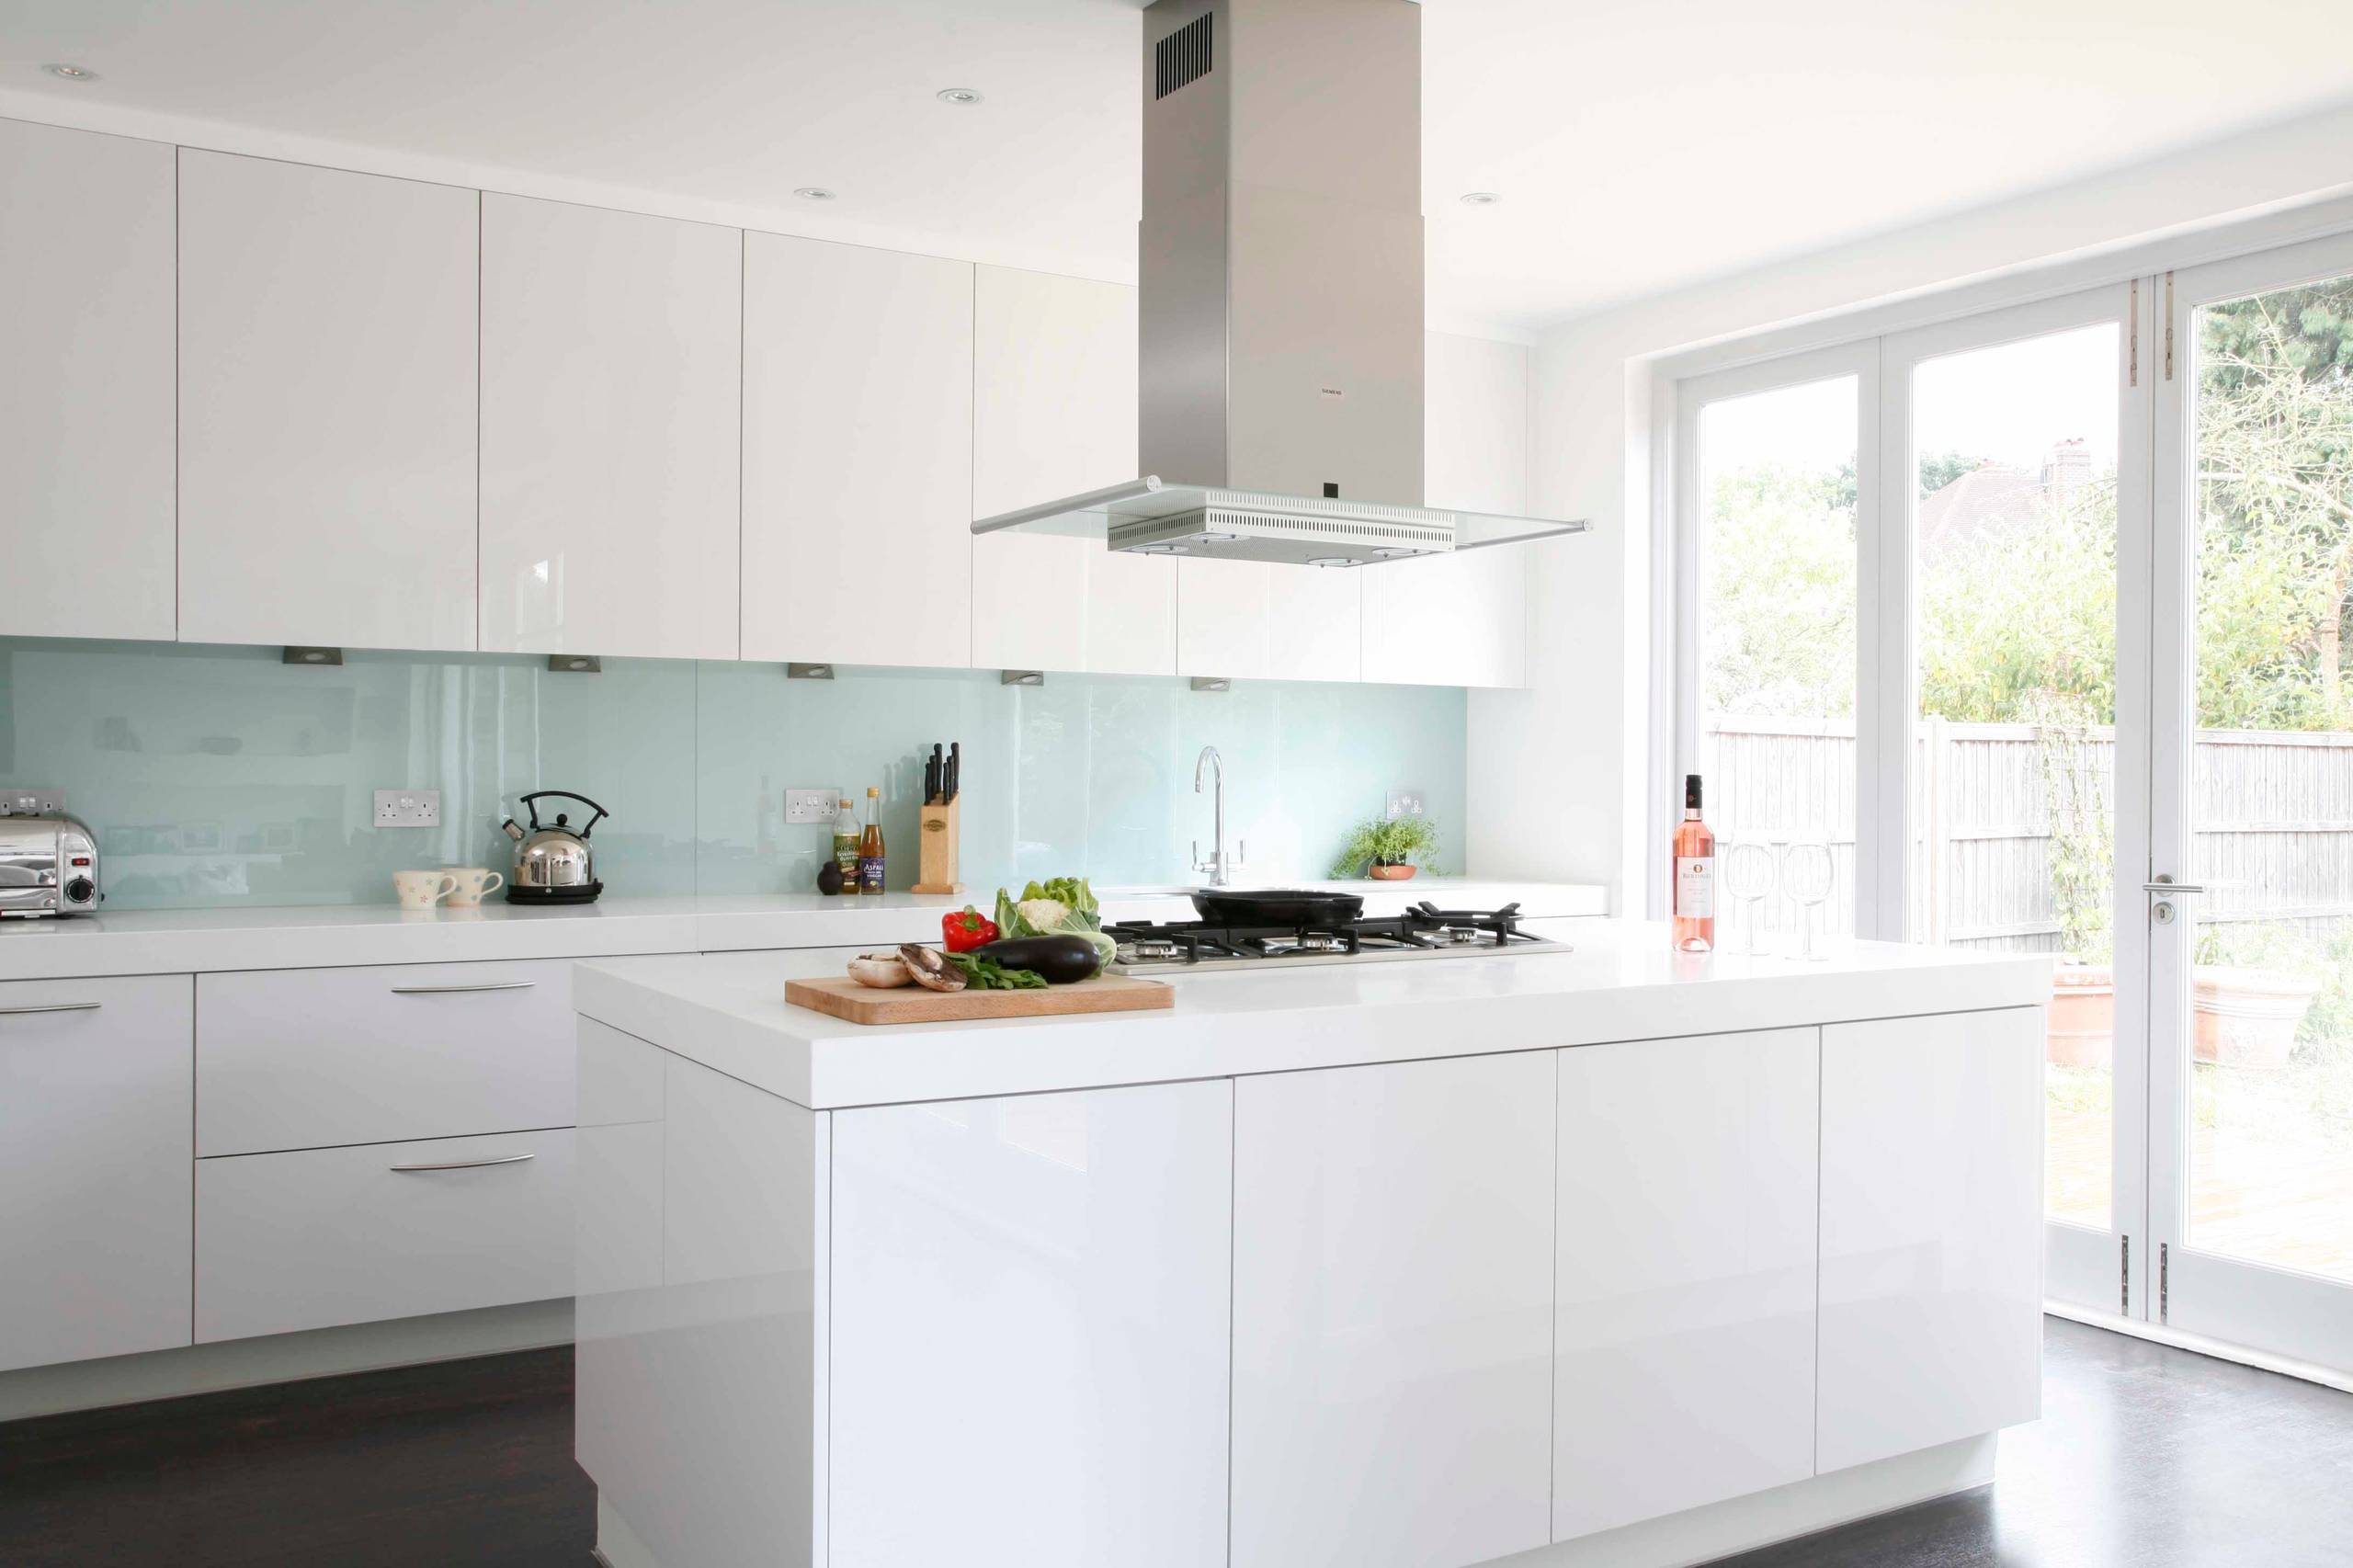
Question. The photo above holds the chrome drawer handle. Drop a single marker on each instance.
(454, 990)
(466, 1164)
(54, 1007)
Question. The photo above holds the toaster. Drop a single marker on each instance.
(49, 865)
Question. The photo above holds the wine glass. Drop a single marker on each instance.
(1806, 871)
(1748, 877)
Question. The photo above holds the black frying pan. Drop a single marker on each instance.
(1275, 906)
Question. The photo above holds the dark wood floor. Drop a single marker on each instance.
(466, 1464)
(2145, 1457)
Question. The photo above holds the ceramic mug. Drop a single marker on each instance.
(474, 884)
(423, 890)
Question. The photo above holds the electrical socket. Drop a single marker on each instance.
(408, 808)
(811, 805)
(19, 802)
(1404, 803)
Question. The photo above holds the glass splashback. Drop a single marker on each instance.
(223, 776)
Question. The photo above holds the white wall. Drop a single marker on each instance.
(1559, 773)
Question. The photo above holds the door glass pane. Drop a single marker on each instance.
(2270, 1139)
(2013, 816)
(1777, 637)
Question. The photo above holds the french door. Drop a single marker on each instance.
(2250, 896)
(2099, 555)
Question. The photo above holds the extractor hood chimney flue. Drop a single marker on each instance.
(1281, 272)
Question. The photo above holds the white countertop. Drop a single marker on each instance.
(181, 941)
(1622, 982)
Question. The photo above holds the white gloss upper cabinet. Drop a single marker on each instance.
(1684, 1345)
(1029, 1328)
(1054, 413)
(97, 1097)
(1931, 1232)
(326, 406)
(611, 378)
(86, 383)
(1248, 620)
(1393, 1313)
(858, 455)
(1460, 620)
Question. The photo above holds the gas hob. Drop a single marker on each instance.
(1424, 931)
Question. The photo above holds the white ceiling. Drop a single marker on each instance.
(1639, 144)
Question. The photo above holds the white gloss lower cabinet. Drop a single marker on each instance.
(1684, 1350)
(1392, 1313)
(328, 356)
(1931, 1313)
(97, 1097)
(611, 418)
(325, 1236)
(309, 1058)
(86, 234)
(1029, 1322)
(858, 455)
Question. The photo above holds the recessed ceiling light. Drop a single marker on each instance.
(1480, 197)
(71, 73)
(958, 94)
(813, 193)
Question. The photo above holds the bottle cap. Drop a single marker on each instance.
(871, 793)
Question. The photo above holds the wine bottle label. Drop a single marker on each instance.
(869, 874)
(1695, 886)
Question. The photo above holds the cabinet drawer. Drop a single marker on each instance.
(93, 1167)
(325, 1236)
(303, 1058)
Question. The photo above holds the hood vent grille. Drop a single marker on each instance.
(1182, 57)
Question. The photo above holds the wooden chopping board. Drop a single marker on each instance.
(843, 997)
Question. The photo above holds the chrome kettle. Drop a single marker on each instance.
(553, 863)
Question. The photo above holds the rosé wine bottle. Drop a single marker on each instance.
(1695, 877)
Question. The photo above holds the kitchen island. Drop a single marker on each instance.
(1611, 1255)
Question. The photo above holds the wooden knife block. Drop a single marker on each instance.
(936, 849)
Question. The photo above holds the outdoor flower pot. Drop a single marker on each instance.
(2247, 1017)
(1381, 873)
(2081, 1029)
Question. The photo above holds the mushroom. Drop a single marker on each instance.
(881, 971)
(930, 969)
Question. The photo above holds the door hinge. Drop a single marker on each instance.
(2124, 1279)
(2168, 377)
(2164, 1281)
(2133, 340)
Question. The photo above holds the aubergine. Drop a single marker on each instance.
(1059, 960)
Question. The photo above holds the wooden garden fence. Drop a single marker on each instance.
(2273, 813)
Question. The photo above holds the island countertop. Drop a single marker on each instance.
(1619, 981)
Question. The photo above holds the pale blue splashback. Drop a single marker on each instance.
(223, 776)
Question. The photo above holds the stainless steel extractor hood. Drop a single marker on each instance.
(1280, 263)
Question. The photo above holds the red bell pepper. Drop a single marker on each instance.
(966, 929)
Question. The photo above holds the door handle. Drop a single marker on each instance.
(465, 1164)
(454, 990)
(2164, 884)
(53, 1007)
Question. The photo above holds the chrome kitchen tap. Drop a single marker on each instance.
(1219, 863)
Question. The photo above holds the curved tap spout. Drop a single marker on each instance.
(1220, 862)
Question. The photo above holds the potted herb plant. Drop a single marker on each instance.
(1387, 849)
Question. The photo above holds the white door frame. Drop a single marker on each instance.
(1873, 829)
(2089, 1267)
(2298, 1315)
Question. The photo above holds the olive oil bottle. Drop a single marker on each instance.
(869, 846)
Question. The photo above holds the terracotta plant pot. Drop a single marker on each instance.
(2247, 1017)
(1381, 873)
(2081, 1029)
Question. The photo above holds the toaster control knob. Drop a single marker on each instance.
(81, 889)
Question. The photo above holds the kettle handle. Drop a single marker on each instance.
(565, 795)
